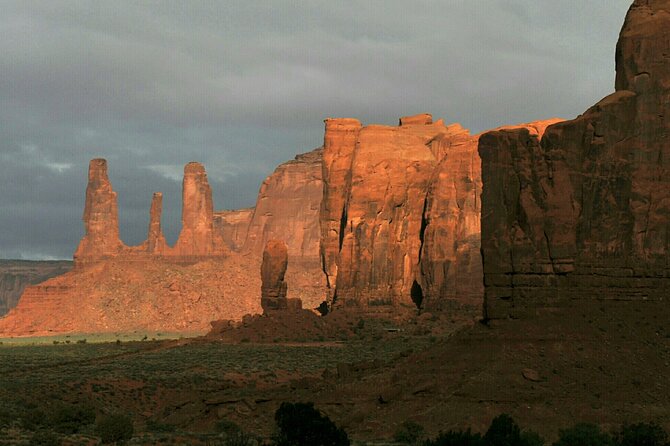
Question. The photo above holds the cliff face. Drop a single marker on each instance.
(400, 215)
(16, 275)
(232, 226)
(287, 208)
(583, 212)
(450, 263)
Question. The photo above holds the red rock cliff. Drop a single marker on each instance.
(287, 207)
(400, 215)
(584, 211)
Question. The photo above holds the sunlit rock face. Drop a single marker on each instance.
(400, 214)
(287, 209)
(583, 212)
(101, 217)
(197, 237)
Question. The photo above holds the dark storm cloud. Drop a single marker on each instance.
(243, 86)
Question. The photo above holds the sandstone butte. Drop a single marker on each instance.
(393, 217)
(583, 212)
(400, 216)
(205, 276)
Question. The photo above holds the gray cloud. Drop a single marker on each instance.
(245, 85)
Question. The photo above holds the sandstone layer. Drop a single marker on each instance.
(583, 212)
(16, 275)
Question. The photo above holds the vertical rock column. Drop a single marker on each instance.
(101, 218)
(156, 241)
(338, 148)
(273, 269)
(196, 238)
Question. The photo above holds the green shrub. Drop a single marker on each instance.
(642, 434)
(70, 419)
(302, 424)
(503, 431)
(33, 418)
(44, 438)
(583, 434)
(157, 426)
(409, 432)
(114, 428)
(456, 438)
(531, 438)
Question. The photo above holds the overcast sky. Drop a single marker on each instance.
(245, 85)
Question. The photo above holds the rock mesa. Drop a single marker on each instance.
(583, 211)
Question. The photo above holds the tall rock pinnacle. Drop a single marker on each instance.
(156, 241)
(197, 235)
(101, 218)
(273, 270)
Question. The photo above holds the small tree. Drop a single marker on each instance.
(642, 434)
(70, 419)
(503, 432)
(583, 434)
(114, 428)
(409, 432)
(301, 424)
(456, 438)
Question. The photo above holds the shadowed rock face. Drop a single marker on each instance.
(16, 275)
(584, 211)
(273, 270)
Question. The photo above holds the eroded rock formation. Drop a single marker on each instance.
(101, 217)
(287, 207)
(197, 237)
(16, 275)
(232, 226)
(450, 262)
(400, 214)
(583, 212)
(273, 270)
(156, 243)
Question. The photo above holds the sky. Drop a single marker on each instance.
(243, 86)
